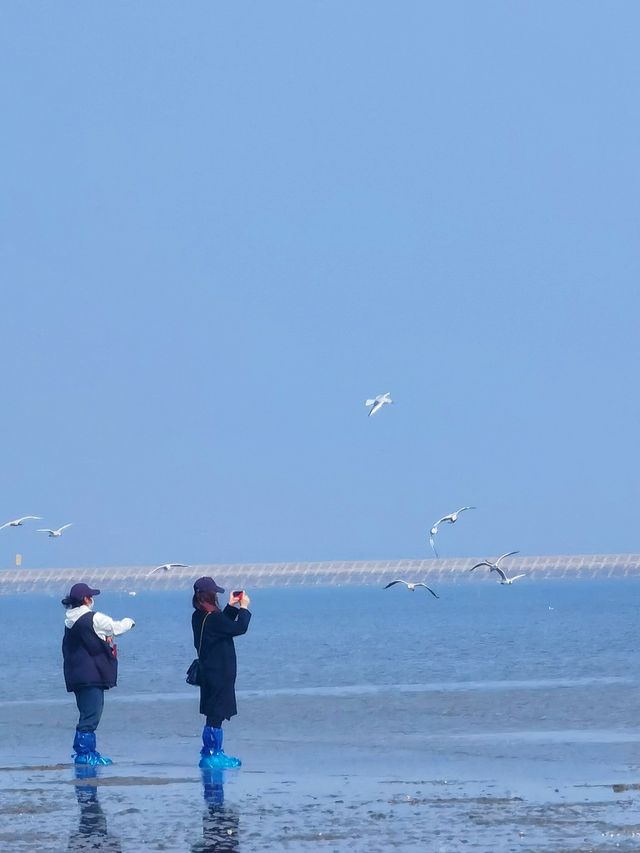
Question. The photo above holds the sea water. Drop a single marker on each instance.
(521, 698)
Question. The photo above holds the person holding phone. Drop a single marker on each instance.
(213, 633)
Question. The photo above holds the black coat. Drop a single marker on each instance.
(218, 659)
(89, 661)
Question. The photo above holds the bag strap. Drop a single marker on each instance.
(201, 631)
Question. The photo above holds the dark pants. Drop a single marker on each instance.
(90, 702)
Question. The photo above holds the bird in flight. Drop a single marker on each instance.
(505, 580)
(412, 586)
(446, 519)
(166, 566)
(18, 522)
(53, 534)
(378, 402)
(493, 566)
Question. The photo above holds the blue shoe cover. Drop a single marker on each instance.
(94, 759)
(84, 744)
(213, 758)
(218, 761)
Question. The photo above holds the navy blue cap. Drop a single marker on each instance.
(206, 585)
(77, 594)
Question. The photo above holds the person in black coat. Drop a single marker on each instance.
(213, 633)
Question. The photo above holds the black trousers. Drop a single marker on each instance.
(90, 702)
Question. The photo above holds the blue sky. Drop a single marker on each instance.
(225, 225)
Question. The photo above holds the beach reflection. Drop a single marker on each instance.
(220, 823)
(92, 832)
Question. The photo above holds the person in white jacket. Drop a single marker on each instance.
(90, 665)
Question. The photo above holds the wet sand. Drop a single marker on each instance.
(138, 808)
(349, 785)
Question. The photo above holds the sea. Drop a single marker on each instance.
(494, 718)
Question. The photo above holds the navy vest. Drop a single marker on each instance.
(88, 660)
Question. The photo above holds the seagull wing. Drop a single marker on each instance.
(5, 525)
(515, 577)
(64, 527)
(477, 565)
(463, 508)
(433, 545)
(157, 569)
(44, 530)
(27, 517)
(428, 588)
(508, 554)
(395, 582)
(499, 571)
(178, 566)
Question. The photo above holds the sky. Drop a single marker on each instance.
(225, 225)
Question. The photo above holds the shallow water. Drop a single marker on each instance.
(495, 718)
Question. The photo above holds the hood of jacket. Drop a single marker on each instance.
(72, 615)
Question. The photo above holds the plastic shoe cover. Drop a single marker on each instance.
(84, 744)
(212, 756)
(218, 761)
(94, 759)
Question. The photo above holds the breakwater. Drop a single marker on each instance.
(329, 573)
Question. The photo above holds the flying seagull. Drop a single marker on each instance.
(446, 519)
(412, 586)
(54, 533)
(505, 580)
(493, 566)
(378, 402)
(166, 566)
(17, 522)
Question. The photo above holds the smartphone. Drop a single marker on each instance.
(237, 593)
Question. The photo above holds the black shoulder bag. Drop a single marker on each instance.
(193, 673)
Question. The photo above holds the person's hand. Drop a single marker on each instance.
(245, 601)
(233, 599)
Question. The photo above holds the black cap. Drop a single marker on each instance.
(77, 594)
(206, 585)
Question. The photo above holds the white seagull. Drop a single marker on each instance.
(17, 522)
(412, 586)
(493, 566)
(446, 519)
(166, 566)
(378, 402)
(505, 580)
(54, 533)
